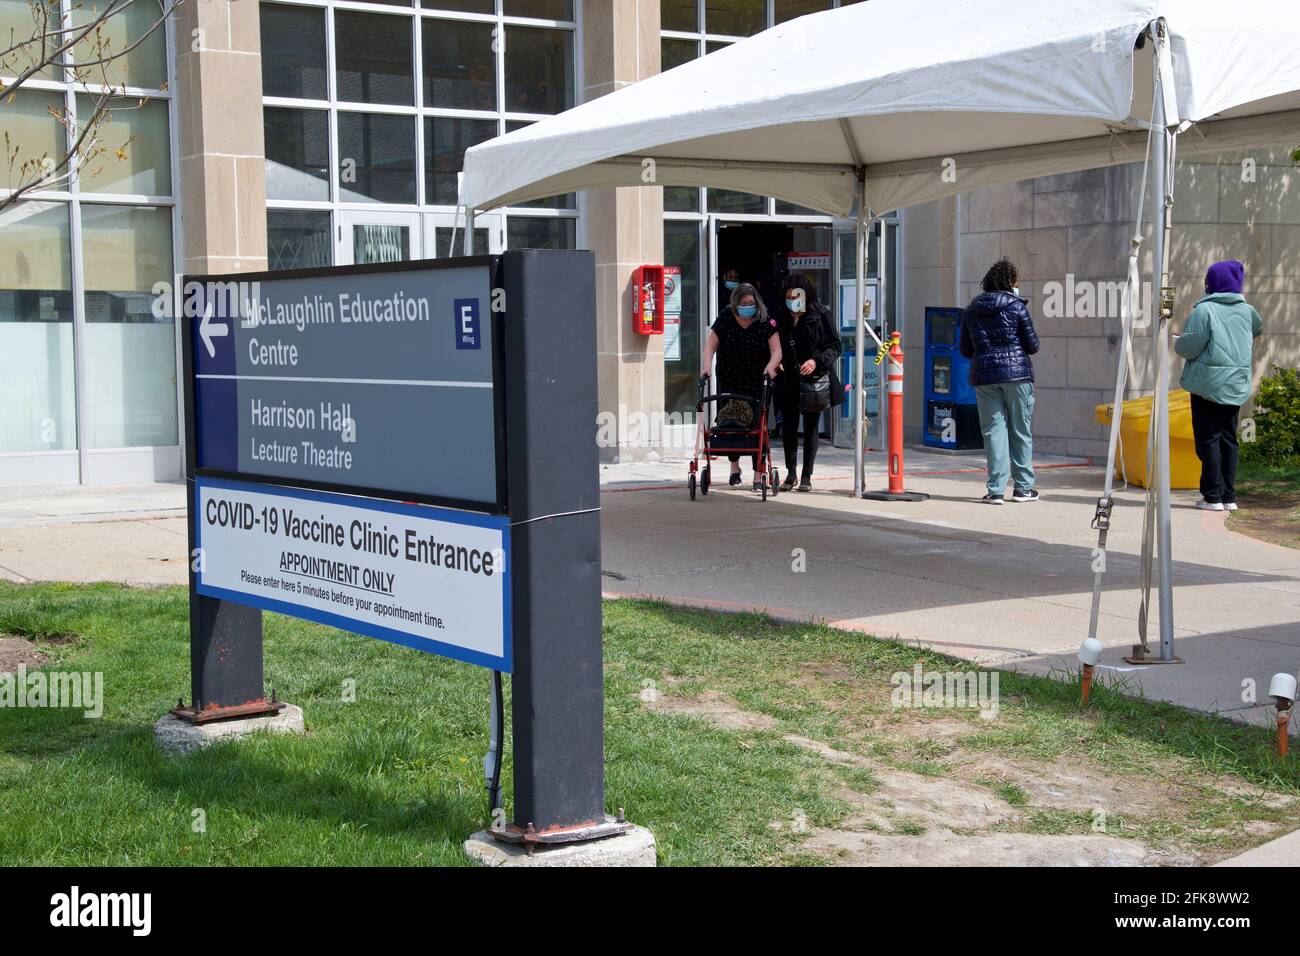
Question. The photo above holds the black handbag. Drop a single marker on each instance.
(814, 393)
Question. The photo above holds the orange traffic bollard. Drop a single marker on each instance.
(894, 391)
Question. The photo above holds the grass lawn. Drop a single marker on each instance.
(734, 738)
(1269, 496)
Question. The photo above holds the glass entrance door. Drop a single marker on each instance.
(369, 237)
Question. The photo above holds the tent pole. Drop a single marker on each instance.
(1164, 200)
(469, 232)
(860, 333)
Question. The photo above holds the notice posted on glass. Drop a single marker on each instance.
(427, 577)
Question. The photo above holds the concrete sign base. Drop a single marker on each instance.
(176, 736)
(636, 847)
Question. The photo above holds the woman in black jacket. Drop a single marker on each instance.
(810, 349)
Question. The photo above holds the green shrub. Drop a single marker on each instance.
(1277, 420)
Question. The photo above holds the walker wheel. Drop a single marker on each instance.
(763, 485)
(705, 479)
(775, 480)
(690, 485)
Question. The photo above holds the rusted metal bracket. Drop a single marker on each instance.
(213, 713)
(1141, 654)
(531, 838)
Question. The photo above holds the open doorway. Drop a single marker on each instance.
(764, 254)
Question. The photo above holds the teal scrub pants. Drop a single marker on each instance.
(1006, 419)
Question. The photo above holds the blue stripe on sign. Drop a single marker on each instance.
(216, 424)
(503, 663)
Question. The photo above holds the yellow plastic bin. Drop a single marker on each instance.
(1134, 427)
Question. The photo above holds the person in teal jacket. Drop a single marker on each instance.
(1218, 343)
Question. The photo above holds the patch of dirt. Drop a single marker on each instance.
(715, 708)
(16, 651)
(1274, 518)
(1075, 785)
(914, 819)
(946, 848)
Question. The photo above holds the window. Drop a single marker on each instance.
(445, 141)
(674, 52)
(298, 239)
(136, 156)
(37, 390)
(679, 15)
(96, 293)
(736, 18)
(296, 35)
(297, 153)
(529, 232)
(376, 107)
(784, 10)
(372, 56)
(459, 65)
(377, 157)
(130, 354)
(539, 70)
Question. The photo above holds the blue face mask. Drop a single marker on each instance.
(747, 311)
(731, 284)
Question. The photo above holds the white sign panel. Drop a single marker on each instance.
(429, 578)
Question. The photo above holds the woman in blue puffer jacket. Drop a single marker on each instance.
(998, 335)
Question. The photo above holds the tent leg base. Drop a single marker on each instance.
(1140, 655)
(895, 496)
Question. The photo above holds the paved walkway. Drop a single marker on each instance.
(1005, 586)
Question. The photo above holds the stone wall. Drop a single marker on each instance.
(1069, 236)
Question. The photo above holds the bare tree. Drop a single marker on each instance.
(77, 41)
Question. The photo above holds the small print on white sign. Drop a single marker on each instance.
(430, 578)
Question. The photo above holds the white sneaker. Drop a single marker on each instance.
(1209, 505)
(1229, 506)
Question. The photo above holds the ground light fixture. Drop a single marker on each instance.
(1282, 689)
(1089, 654)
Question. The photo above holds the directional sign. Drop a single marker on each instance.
(429, 578)
(373, 382)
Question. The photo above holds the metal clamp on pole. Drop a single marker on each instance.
(1101, 520)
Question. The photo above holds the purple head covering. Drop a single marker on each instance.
(1225, 277)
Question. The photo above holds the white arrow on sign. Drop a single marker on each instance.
(208, 330)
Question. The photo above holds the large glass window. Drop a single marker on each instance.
(674, 52)
(372, 55)
(298, 239)
(133, 40)
(783, 10)
(37, 391)
(442, 77)
(136, 149)
(540, 9)
(294, 40)
(737, 18)
(679, 15)
(539, 70)
(31, 133)
(532, 232)
(297, 153)
(445, 140)
(97, 294)
(376, 158)
(459, 65)
(18, 21)
(130, 354)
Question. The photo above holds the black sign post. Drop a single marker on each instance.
(487, 359)
(554, 493)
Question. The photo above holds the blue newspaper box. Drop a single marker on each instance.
(951, 415)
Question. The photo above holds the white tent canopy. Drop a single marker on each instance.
(1005, 89)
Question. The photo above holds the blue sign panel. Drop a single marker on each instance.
(378, 382)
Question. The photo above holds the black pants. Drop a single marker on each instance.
(1215, 429)
(790, 418)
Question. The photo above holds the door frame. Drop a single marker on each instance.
(345, 254)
